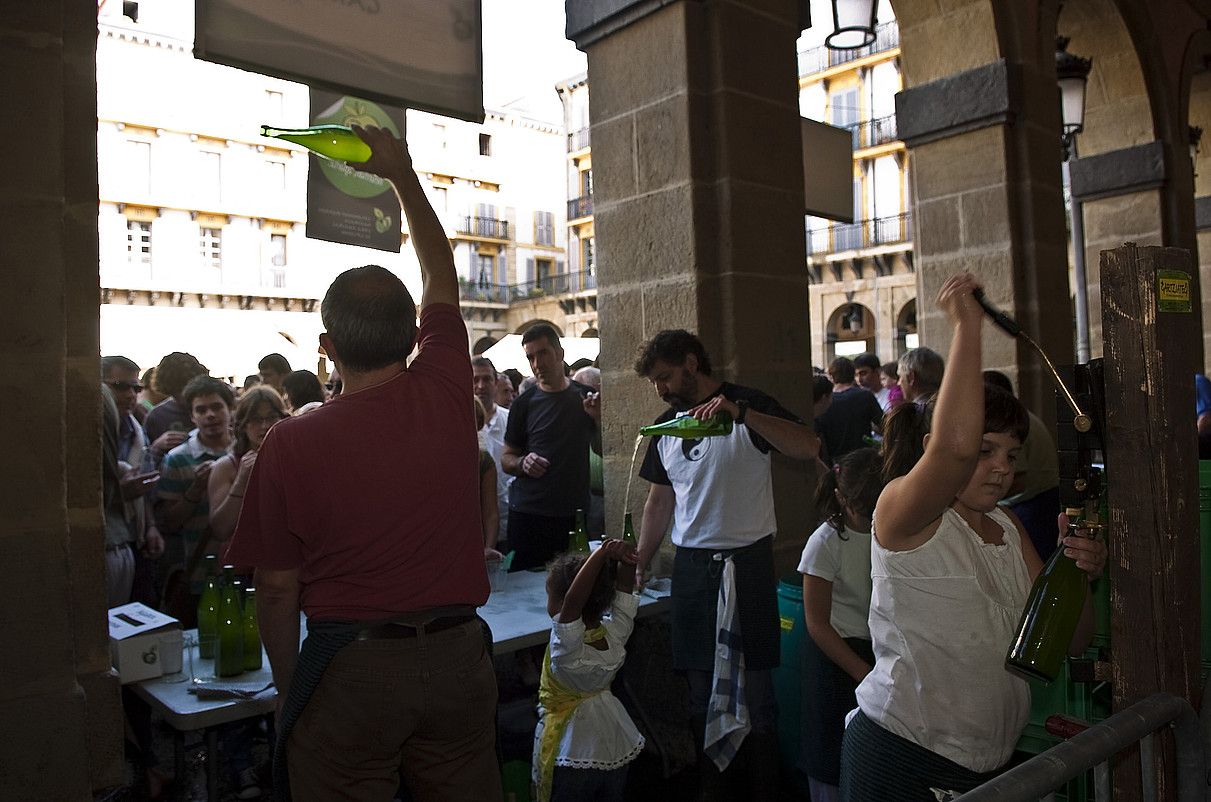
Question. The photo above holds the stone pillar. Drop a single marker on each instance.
(698, 208)
(59, 704)
(987, 198)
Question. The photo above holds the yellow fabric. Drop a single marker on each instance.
(558, 704)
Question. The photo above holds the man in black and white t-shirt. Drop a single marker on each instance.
(718, 493)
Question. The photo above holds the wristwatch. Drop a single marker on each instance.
(741, 405)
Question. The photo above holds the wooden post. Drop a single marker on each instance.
(1151, 325)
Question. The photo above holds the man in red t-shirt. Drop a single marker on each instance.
(364, 514)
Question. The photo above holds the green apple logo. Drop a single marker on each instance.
(347, 179)
(382, 222)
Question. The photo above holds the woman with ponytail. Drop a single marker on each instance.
(836, 601)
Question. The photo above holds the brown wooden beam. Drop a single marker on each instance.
(1152, 468)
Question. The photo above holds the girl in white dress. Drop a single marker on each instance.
(951, 571)
(585, 739)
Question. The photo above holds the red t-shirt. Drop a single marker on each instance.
(374, 496)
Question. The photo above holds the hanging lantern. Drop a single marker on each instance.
(1072, 74)
(853, 24)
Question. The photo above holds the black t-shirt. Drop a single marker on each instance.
(851, 417)
(554, 426)
(653, 469)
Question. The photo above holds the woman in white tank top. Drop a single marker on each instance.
(951, 572)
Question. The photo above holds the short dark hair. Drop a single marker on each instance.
(513, 375)
(370, 317)
(274, 362)
(174, 372)
(206, 385)
(867, 360)
(672, 346)
(998, 379)
(483, 362)
(891, 369)
(109, 363)
(1004, 414)
(821, 386)
(251, 380)
(541, 330)
(841, 370)
(302, 387)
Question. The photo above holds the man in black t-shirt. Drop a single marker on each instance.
(547, 449)
(853, 414)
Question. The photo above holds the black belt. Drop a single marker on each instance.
(398, 630)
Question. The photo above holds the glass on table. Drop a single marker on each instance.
(172, 654)
(202, 669)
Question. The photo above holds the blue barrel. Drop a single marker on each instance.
(787, 683)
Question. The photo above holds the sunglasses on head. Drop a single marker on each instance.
(122, 387)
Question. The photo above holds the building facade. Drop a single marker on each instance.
(202, 222)
(863, 288)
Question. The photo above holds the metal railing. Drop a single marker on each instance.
(483, 227)
(870, 133)
(554, 284)
(578, 140)
(580, 207)
(861, 234)
(483, 291)
(1093, 749)
(821, 58)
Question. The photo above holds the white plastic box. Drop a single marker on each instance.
(134, 640)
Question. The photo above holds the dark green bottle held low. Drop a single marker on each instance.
(691, 428)
(1052, 613)
(578, 538)
(628, 531)
(230, 659)
(252, 632)
(337, 142)
(208, 610)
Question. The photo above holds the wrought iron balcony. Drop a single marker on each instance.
(488, 227)
(578, 140)
(580, 207)
(554, 284)
(821, 58)
(862, 234)
(482, 290)
(869, 133)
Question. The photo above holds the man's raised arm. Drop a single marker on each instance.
(390, 160)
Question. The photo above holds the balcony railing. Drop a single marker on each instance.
(821, 58)
(483, 227)
(862, 234)
(578, 140)
(555, 284)
(869, 133)
(483, 291)
(580, 207)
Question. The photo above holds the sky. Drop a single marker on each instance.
(526, 54)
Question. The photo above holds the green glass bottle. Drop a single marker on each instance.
(691, 428)
(1052, 612)
(628, 531)
(252, 632)
(230, 659)
(578, 538)
(208, 610)
(337, 142)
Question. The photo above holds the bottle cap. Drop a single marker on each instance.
(1073, 512)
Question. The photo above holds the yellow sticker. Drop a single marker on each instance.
(787, 623)
(1173, 291)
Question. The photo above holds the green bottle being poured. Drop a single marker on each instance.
(1052, 612)
(230, 660)
(691, 428)
(628, 531)
(208, 610)
(252, 632)
(336, 142)
(578, 538)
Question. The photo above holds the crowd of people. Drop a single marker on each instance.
(373, 502)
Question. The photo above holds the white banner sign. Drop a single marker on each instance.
(420, 54)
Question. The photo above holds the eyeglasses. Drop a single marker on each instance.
(267, 420)
(122, 387)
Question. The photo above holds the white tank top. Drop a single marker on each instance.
(942, 617)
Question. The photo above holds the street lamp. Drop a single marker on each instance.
(853, 24)
(1072, 74)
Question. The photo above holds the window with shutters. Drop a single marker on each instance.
(544, 228)
(138, 243)
(210, 245)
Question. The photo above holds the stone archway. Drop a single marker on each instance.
(906, 328)
(850, 331)
(1197, 90)
(535, 322)
(483, 344)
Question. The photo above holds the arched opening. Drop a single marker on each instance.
(537, 321)
(850, 331)
(483, 344)
(906, 328)
(590, 332)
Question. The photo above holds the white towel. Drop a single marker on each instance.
(727, 721)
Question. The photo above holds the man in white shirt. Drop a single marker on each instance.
(496, 419)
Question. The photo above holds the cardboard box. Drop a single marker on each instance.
(134, 640)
